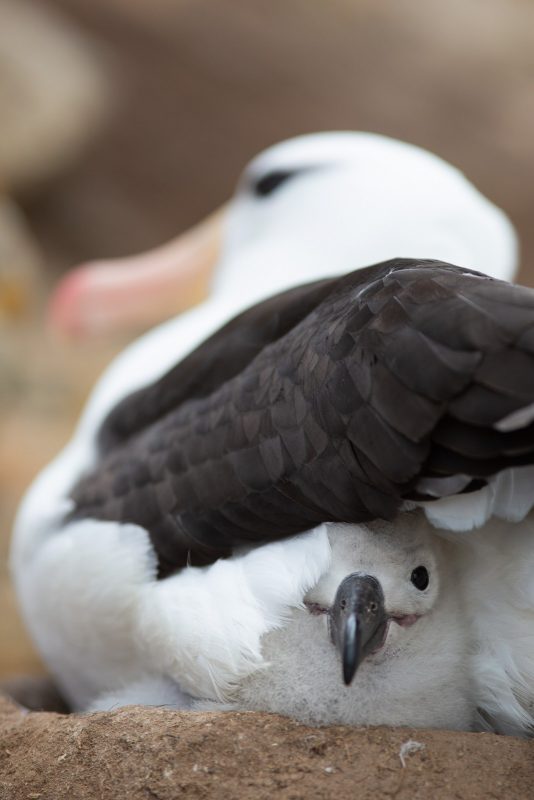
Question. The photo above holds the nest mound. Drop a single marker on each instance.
(154, 753)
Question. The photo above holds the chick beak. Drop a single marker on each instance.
(358, 621)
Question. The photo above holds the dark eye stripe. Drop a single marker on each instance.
(267, 184)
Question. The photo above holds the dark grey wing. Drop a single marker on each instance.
(389, 388)
(219, 358)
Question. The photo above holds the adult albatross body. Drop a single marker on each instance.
(340, 401)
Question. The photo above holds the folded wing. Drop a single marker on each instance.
(338, 401)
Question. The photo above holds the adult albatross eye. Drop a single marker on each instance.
(420, 578)
(267, 184)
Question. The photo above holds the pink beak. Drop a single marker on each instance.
(126, 295)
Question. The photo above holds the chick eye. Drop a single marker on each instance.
(420, 578)
(268, 183)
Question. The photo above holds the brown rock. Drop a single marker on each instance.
(19, 262)
(206, 84)
(51, 93)
(153, 753)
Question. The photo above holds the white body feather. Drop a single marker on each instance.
(88, 591)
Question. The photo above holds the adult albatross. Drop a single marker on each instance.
(342, 400)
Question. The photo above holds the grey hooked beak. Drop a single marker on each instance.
(358, 621)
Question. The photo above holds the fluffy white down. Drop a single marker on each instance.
(420, 677)
(468, 663)
(102, 621)
(497, 565)
(88, 591)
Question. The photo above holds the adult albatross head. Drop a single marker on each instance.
(312, 206)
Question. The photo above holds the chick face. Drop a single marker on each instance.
(411, 659)
(382, 581)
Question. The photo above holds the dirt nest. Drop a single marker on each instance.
(153, 753)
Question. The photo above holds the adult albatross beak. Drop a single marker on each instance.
(358, 621)
(128, 294)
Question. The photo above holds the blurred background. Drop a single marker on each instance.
(125, 121)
